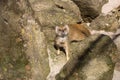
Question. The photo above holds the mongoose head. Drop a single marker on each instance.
(62, 31)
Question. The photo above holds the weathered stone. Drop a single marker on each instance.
(27, 34)
(56, 61)
(55, 12)
(90, 9)
(91, 60)
(13, 58)
(37, 51)
(109, 22)
(23, 44)
(117, 66)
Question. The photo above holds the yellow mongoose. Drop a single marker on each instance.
(69, 33)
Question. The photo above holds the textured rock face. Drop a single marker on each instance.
(21, 40)
(90, 9)
(21, 29)
(27, 41)
(91, 62)
(13, 58)
(109, 22)
(55, 12)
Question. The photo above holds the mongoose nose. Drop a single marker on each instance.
(61, 42)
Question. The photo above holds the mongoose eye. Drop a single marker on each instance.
(65, 29)
(59, 30)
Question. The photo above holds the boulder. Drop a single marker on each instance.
(92, 59)
(90, 9)
(55, 12)
(109, 22)
(27, 43)
(23, 57)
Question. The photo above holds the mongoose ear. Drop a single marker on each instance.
(56, 29)
(67, 27)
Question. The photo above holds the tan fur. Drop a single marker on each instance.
(73, 32)
(78, 32)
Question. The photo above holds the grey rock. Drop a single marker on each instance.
(92, 60)
(27, 42)
(109, 22)
(23, 44)
(55, 12)
(90, 9)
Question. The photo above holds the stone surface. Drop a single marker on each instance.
(95, 62)
(90, 9)
(27, 40)
(13, 59)
(36, 50)
(23, 57)
(117, 66)
(55, 12)
(109, 22)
